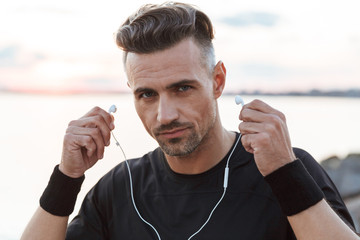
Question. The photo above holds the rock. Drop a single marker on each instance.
(346, 176)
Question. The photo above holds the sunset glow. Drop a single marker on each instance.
(277, 45)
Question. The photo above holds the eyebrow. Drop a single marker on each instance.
(143, 89)
(173, 85)
(182, 83)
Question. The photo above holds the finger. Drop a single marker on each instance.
(270, 120)
(246, 142)
(260, 106)
(108, 118)
(96, 121)
(76, 142)
(250, 127)
(251, 115)
(94, 133)
(258, 142)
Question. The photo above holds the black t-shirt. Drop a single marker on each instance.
(177, 205)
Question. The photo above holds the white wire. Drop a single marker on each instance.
(210, 215)
(212, 211)
(133, 202)
(149, 224)
(131, 188)
(118, 144)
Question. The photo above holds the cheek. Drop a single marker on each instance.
(145, 116)
(202, 110)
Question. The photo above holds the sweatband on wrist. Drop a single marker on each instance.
(60, 194)
(294, 188)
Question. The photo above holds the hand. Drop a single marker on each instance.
(265, 134)
(85, 141)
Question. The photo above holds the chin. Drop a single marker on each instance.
(176, 148)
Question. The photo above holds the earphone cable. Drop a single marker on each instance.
(133, 202)
(131, 188)
(225, 187)
(118, 144)
(212, 211)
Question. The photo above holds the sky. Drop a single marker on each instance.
(68, 46)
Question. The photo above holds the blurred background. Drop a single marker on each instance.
(58, 59)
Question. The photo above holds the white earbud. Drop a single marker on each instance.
(239, 100)
(112, 109)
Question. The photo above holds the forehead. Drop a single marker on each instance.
(182, 60)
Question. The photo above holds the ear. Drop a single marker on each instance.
(219, 77)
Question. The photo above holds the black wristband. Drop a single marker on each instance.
(60, 194)
(294, 188)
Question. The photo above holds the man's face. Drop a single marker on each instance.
(174, 97)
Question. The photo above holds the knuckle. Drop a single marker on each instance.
(96, 109)
(72, 123)
(257, 102)
(270, 128)
(94, 131)
(242, 126)
(67, 137)
(70, 129)
(273, 118)
(282, 116)
(245, 115)
(276, 120)
(245, 139)
(97, 119)
(88, 140)
(264, 139)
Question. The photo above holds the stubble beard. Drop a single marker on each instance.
(175, 147)
(183, 146)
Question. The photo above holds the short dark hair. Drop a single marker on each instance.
(157, 27)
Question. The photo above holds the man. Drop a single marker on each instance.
(203, 182)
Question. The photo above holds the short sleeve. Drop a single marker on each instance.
(329, 189)
(88, 224)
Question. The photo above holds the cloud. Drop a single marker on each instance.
(15, 56)
(247, 19)
(8, 55)
(263, 69)
(8, 52)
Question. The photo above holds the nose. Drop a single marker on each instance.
(167, 111)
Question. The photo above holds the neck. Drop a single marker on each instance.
(207, 155)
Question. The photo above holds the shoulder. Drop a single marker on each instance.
(322, 179)
(137, 165)
(139, 168)
(314, 168)
(98, 207)
(115, 183)
(304, 156)
(309, 162)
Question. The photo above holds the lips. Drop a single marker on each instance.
(174, 133)
(172, 130)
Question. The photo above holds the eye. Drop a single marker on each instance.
(147, 94)
(184, 88)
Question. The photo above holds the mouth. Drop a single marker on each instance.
(173, 133)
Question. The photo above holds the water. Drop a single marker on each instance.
(32, 128)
